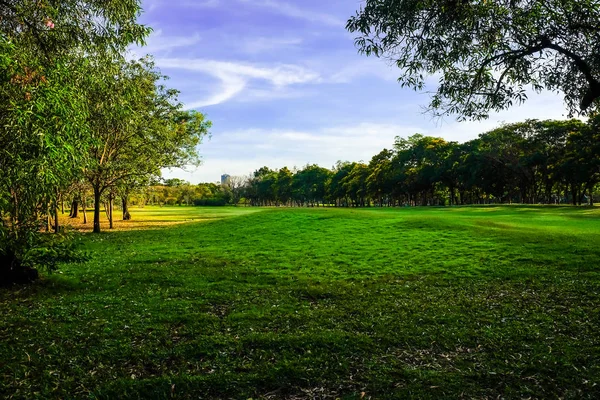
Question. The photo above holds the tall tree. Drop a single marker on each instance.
(285, 179)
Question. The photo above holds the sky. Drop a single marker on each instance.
(284, 85)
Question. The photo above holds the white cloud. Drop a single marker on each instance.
(293, 11)
(234, 76)
(351, 71)
(545, 105)
(231, 86)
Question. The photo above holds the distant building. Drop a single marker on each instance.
(225, 179)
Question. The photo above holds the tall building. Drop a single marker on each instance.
(225, 179)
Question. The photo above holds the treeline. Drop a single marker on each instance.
(533, 162)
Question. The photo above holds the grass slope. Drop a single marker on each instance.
(317, 303)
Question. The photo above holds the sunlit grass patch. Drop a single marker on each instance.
(154, 217)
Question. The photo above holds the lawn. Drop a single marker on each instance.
(473, 302)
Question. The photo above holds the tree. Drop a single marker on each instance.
(51, 29)
(487, 52)
(237, 185)
(285, 179)
(336, 189)
(309, 184)
(137, 126)
(264, 186)
(126, 187)
(355, 184)
(581, 165)
(380, 181)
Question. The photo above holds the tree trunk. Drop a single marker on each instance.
(83, 200)
(74, 209)
(97, 195)
(126, 214)
(110, 211)
(56, 223)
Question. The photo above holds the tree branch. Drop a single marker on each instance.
(583, 67)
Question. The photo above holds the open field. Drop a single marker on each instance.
(474, 302)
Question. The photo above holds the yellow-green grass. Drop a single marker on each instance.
(473, 302)
(153, 217)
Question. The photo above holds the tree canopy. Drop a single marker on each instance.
(487, 53)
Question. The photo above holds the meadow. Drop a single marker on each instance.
(183, 302)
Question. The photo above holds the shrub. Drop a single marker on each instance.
(213, 202)
(22, 255)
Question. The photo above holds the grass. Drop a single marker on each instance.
(474, 302)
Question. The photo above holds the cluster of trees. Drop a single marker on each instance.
(530, 162)
(179, 192)
(77, 116)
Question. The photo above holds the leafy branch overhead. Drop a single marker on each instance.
(486, 54)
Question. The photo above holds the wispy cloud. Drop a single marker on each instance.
(204, 3)
(235, 76)
(294, 11)
(231, 86)
(158, 43)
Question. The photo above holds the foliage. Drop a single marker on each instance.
(180, 192)
(42, 134)
(21, 256)
(474, 302)
(53, 28)
(486, 53)
(210, 202)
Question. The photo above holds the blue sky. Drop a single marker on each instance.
(283, 84)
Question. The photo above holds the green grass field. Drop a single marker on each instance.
(476, 302)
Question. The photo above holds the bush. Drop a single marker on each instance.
(22, 255)
(215, 202)
(171, 201)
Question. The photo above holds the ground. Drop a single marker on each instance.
(471, 302)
